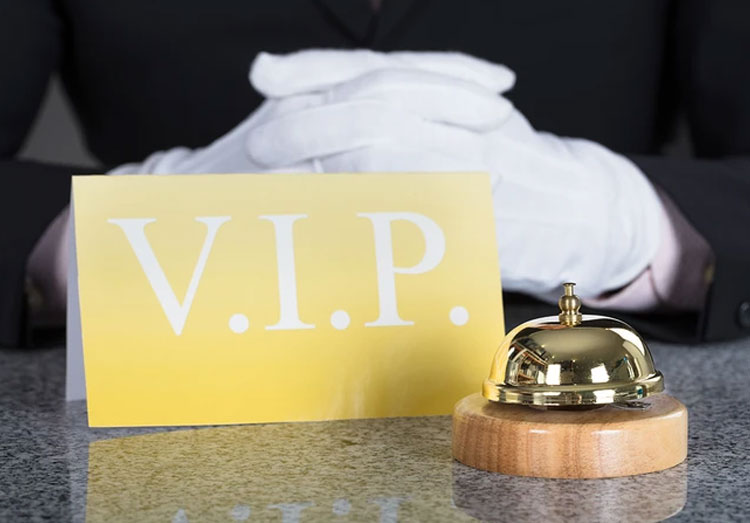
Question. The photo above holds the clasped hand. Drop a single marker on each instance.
(565, 209)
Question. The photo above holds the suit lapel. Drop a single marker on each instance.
(392, 13)
(353, 17)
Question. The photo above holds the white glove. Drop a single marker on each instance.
(450, 87)
(566, 209)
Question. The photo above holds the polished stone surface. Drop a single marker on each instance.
(53, 467)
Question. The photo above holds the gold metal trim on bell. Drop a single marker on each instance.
(572, 360)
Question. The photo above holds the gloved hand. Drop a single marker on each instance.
(566, 209)
(452, 88)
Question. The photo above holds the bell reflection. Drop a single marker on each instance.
(495, 497)
(373, 470)
(527, 363)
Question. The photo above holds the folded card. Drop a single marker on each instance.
(212, 299)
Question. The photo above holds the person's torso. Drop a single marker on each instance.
(146, 75)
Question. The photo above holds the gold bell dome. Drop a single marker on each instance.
(572, 360)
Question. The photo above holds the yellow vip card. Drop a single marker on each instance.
(212, 299)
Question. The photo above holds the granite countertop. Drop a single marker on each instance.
(53, 467)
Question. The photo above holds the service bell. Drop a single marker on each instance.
(572, 360)
(582, 374)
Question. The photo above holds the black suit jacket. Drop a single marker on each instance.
(146, 75)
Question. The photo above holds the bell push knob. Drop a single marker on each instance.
(570, 306)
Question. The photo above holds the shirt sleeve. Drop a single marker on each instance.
(678, 277)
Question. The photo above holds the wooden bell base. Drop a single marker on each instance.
(597, 443)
